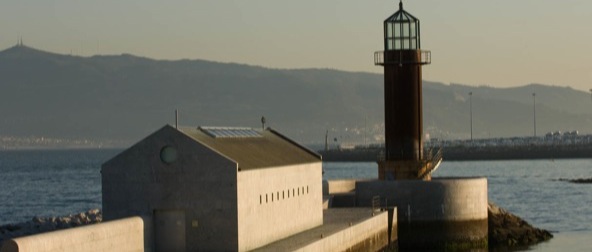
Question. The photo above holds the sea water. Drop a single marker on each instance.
(49, 182)
(530, 189)
(62, 182)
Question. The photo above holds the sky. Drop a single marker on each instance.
(500, 43)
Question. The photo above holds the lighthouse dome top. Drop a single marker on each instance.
(401, 31)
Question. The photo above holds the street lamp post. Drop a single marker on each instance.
(471, 112)
(534, 111)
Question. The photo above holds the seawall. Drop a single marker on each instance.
(466, 153)
(353, 229)
(39, 225)
(119, 235)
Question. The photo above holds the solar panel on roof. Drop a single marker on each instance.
(230, 132)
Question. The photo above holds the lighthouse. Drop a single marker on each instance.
(402, 60)
(431, 214)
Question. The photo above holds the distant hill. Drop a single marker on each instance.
(126, 97)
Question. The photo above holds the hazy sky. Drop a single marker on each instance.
(496, 43)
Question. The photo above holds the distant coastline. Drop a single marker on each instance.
(518, 152)
(466, 153)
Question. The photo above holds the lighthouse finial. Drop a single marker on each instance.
(400, 4)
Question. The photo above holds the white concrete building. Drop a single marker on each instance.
(231, 189)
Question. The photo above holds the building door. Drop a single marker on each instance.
(169, 230)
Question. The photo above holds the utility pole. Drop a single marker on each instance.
(326, 140)
(365, 130)
(534, 111)
(471, 112)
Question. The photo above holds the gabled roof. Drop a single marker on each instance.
(252, 149)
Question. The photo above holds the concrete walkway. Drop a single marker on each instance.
(342, 228)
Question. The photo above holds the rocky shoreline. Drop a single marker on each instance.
(505, 229)
(46, 224)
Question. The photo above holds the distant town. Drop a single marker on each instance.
(37, 142)
(552, 145)
(550, 139)
(555, 138)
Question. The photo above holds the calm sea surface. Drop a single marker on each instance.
(49, 182)
(61, 182)
(527, 188)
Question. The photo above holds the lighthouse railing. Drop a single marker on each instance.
(434, 160)
(380, 59)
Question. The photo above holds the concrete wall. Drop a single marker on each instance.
(200, 184)
(339, 186)
(275, 203)
(120, 235)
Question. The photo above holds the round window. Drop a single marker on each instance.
(168, 154)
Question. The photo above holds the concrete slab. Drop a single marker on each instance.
(343, 229)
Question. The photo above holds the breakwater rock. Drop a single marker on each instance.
(45, 224)
(578, 181)
(510, 231)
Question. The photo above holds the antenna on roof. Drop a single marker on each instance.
(326, 141)
(176, 119)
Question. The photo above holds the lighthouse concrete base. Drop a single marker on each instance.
(437, 214)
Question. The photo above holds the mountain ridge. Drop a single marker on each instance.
(125, 97)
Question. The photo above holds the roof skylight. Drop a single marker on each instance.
(230, 132)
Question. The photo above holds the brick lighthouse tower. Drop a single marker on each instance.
(402, 60)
